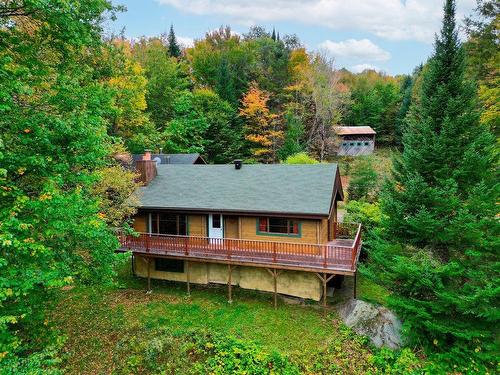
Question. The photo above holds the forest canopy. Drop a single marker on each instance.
(257, 96)
(75, 102)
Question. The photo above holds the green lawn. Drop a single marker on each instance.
(381, 157)
(123, 330)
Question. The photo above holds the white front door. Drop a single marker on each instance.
(215, 226)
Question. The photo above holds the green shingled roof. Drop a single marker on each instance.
(273, 188)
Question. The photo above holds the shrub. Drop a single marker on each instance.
(300, 158)
(369, 214)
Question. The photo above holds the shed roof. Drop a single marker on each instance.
(255, 188)
(354, 130)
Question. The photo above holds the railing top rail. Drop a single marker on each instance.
(297, 244)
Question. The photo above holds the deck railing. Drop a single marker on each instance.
(331, 255)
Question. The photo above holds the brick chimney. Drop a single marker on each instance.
(146, 168)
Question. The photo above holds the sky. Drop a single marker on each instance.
(392, 36)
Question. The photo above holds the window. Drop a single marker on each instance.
(169, 224)
(352, 143)
(345, 144)
(216, 221)
(278, 225)
(366, 143)
(359, 143)
(169, 265)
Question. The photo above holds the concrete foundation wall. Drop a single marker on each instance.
(293, 283)
(198, 272)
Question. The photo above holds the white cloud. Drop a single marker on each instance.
(390, 19)
(362, 67)
(185, 41)
(362, 49)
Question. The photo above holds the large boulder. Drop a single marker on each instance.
(377, 322)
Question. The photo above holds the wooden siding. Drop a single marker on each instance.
(356, 147)
(197, 225)
(231, 227)
(141, 223)
(324, 231)
(245, 227)
(308, 232)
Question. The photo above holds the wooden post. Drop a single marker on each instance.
(274, 273)
(149, 275)
(188, 278)
(229, 286)
(324, 279)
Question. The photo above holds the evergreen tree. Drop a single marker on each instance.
(406, 93)
(292, 143)
(440, 253)
(363, 181)
(174, 49)
(273, 35)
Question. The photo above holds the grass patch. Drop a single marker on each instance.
(123, 330)
(371, 292)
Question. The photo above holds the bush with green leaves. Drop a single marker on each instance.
(369, 214)
(300, 158)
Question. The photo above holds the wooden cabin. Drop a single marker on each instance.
(355, 140)
(265, 227)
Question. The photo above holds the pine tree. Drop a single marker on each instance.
(273, 35)
(363, 181)
(406, 93)
(174, 49)
(440, 253)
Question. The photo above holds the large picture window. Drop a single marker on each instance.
(278, 226)
(165, 223)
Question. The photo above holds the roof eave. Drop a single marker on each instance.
(308, 215)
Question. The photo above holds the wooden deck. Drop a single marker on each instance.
(339, 256)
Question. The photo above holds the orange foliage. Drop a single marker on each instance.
(261, 126)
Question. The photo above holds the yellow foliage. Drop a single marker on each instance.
(491, 101)
(261, 126)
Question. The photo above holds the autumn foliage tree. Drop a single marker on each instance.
(261, 126)
(53, 142)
